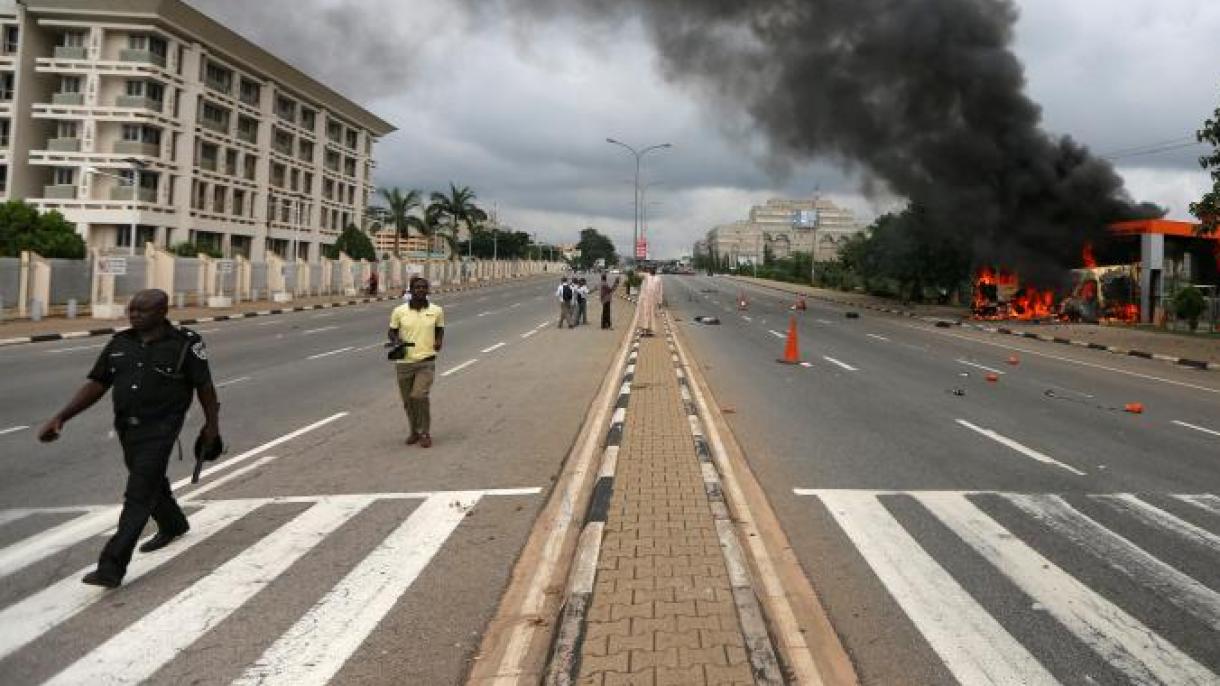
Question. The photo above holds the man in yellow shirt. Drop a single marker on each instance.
(421, 325)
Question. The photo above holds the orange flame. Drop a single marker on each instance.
(1086, 255)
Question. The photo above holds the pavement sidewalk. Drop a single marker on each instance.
(670, 601)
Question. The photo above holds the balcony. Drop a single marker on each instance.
(137, 148)
(69, 53)
(76, 99)
(59, 191)
(142, 195)
(217, 126)
(63, 145)
(139, 102)
(144, 56)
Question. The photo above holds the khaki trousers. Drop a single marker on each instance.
(414, 383)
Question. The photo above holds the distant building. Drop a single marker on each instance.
(782, 227)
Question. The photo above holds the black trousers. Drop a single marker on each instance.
(605, 315)
(146, 452)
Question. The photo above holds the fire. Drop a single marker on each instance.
(998, 294)
(1086, 255)
(1031, 303)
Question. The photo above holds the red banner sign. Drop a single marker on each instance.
(641, 249)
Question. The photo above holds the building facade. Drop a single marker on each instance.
(147, 113)
(782, 227)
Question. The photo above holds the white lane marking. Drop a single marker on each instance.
(1155, 517)
(213, 330)
(497, 346)
(1024, 450)
(748, 319)
(319, 330)
(775, 333)
(974, 646)
(35, 615)
(11, 429)
(877, 336)
(546, 323)
(460, 367)
(1179, 423)
(370, 346)
(483, 314)
(824, 321)
(256, 451)
(979, 366)
(515, 305)
(844, 365)
(329, 353)
(805, 364)
(75, 348)
(230, 382)
(1129, 645)
(271, 322)
(1124, 556)
(318, 645)
(1082, 363)
(1207, 501)
(479, 300)
(138, 651)
(323, 315)
(529, 333)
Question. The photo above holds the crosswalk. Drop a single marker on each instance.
(311, 651)
(1062, 559)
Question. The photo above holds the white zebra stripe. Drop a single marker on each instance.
(318, 645)
(136, 653)
(973, 645)
(1125, 642)
(1206, 501)
(18, 556)
(1156, 517)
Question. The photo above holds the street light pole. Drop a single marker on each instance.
(635, 235)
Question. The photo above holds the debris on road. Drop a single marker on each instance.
(852, 315)
(958, 391)
(992, 377)
(1014, 360)
(1134, 408)
(704, 319)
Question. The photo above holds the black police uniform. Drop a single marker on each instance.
(152, 391)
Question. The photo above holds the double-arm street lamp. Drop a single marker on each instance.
(136, 166)
(638, 154)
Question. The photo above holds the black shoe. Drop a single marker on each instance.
(162, 539)
(97, 578)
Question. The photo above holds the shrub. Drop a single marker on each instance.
(1188, 304)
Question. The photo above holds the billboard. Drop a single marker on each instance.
(641, 249)
(805, 219)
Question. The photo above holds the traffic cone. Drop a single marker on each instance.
(1014, 360)
(800, 303)
(741, 301)
(792, 352)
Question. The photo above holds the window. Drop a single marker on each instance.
(349, 166)
(231, 162)
(218, 198)
(11, 35)
(309, 118)
(218, 77)
(136, 133)
(153, 44)
(146, 89)
(72, 39)
(285, 108)
(281, 141)
(332, 160)
(66, 129)
(305, 151)
(250, 165)
(214, 116)
(65, 176)
(328, 189)
(148, 180)
(3, 178)
(250, 92)
(4, 131)
(294, 180)
(307, 183)
(239, 202)
(247, 129)
(69, 84)
(351, 139)
(334, 130)
(6, 86)
(208, 153)
(278, 171)
(284, 205)
(199, 194)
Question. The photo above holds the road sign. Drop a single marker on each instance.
(113, 265)
(224, 266)
(641, 249)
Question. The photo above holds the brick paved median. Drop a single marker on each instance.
(662, 609)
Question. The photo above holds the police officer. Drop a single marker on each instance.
(153, 367)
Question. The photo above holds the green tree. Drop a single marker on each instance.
(355, 243)
(457, 209)
(398, 210)
(188, 249)
(1207, 210)
(1188, 304)
(23, 227)
(594, 246)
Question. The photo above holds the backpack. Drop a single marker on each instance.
(567, 293)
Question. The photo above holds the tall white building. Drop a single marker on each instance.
(233, 148)
(783, 227)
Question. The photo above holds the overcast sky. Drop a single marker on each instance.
(521, 113)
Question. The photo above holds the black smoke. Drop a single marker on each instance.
(925, 95)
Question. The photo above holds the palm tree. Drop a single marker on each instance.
(459, 208)
(398, 212)
(426, 223)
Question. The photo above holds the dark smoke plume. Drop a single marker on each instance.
(924, 94)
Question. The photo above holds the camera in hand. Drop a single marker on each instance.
(398, 350)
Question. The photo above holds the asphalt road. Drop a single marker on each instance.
(960, 530)
(322, 547)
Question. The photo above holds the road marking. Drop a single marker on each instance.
(78, 347)
(329, 353)
(323, 315)
(1123, 555)
(324, 328)
(479, 300)
(11, 429)
(1157, 518)
(824, 321)
(141, 649)
(979, 366)
(483, 314)
(746, 318)
(214, 330)
(318, 645)
(1028, 452)
(272, 322)
(1207, 501)
(877, 336)
(1129, 646)
(460, 367)
(1067, 359)
(529, 333)
(378, 344)
(497, 346)
(239, 379)
(256, 451)
(974, 646)
(805, 364)
(775, 333)
(844, 365)
(1179, 423)
(515, 305)
(547, 322)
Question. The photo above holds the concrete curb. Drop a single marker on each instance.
(564, 663)
(759, 648)
(946, 323)
(108, 330)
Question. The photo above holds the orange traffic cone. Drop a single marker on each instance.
(800, 303)
(1134, 408)
(741, 301)
(1014, 360)
(792, 352)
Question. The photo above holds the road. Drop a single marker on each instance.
(322, 547)
(961, 530)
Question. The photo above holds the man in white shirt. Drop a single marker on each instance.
(567, 297)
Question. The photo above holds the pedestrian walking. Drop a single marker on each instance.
(373, 281)
(153, 368)
(566, 294)
(606, 294)
(650, 299)
(582, 301)
(417, 331)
